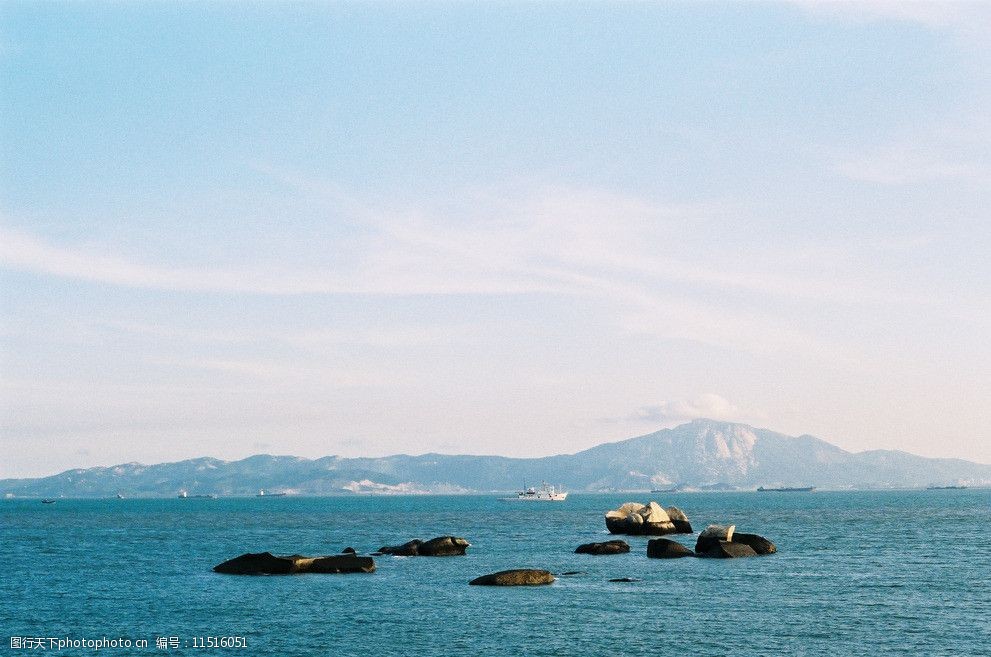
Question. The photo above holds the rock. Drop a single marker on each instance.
(337, 564)
(608, 547)
(629, 507)
(680, 520)
(442, 546)
(651, 519)
(625, 579)
(728, 550)
(663, 548)
(759, 544)
(408, 549)
(349, 550)
(518, 577)
(712, 535)
(266, 563)
(616, 522)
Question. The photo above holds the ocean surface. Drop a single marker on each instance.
(857, 573)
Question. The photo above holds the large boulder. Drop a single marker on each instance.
(728, 550)
(759, 544)
(680, 520)
(711, 535)
(517, 577)
(442, 546)
(651, 519)
(663, 548)
(608, 547)
(266, 563)
(656, 521)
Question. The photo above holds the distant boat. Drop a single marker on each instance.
(47, 501)
(945, 487)
(545, 493)
(119, 496)
(805, 489)
(262, 493)
(183, 495)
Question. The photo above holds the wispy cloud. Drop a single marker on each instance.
(902, 164)
(622, 252)
(971, 19)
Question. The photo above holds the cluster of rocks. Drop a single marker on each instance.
(442, 546)
(716, 542)
(266, 563)
(649, 519)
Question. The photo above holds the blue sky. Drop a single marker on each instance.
(505, 228)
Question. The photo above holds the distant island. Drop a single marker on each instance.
(699, 455)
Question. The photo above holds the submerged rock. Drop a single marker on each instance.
(624, 579)
(266, 563)
(663, 548)
(608, 547)
(408, 549)
(728, 550)
(517, 577)
(442, 546)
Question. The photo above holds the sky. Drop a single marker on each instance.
(500, 228)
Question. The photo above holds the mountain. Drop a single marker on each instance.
(702, 453)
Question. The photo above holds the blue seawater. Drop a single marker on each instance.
(857, 573)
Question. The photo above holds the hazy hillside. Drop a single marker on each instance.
(699, 453)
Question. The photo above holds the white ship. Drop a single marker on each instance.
(545, 493)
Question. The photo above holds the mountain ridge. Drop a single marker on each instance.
(699, 453)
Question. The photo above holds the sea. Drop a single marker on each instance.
(856, 573)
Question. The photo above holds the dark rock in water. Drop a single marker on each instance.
(712, 535)
(728, 550)
(518, 577)
(256, 563)
(266, 563)
(344, 563)
(625, 579)
(409, 549)
(442, 546)
(608, 547)
(680, 520)
(759, 544)
(663, 548)
(349, 550)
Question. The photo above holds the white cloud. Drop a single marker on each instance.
(903, 165)
(710, 406)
